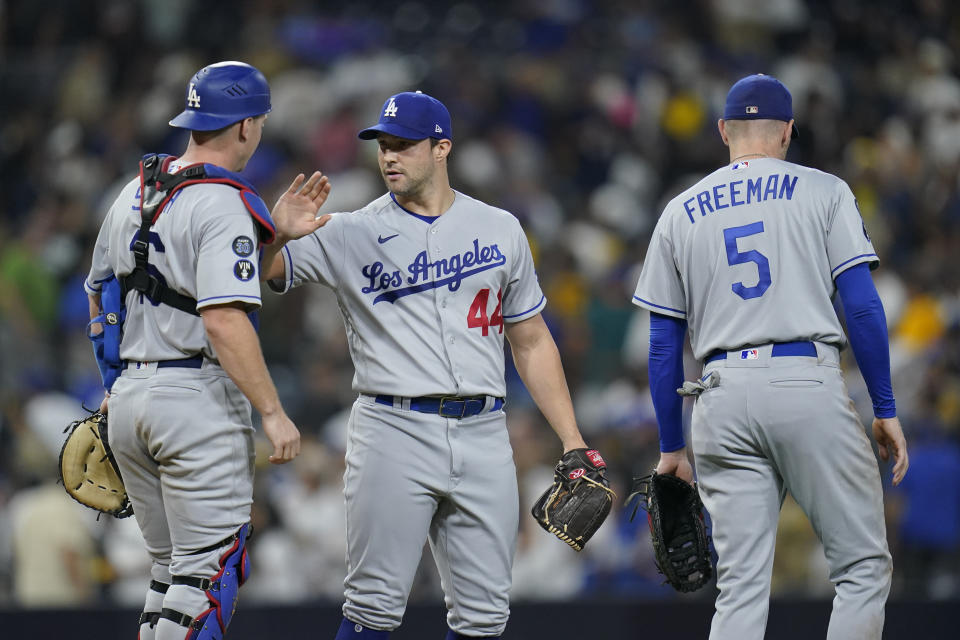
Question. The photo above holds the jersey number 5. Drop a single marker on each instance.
(735, 256)
(477, 315)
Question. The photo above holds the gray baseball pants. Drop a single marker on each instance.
(778, 424)
(413, 477)
(183, 440)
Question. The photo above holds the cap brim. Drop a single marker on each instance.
(795, 133)
(394, 130)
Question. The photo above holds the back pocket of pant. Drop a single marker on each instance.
(796, 382)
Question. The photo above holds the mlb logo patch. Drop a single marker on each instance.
(749, 354)
(741, 165)
(753, 110)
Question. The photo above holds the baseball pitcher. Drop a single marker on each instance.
(429, 282)
(749, 260)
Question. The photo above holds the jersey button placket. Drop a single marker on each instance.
(440, 295)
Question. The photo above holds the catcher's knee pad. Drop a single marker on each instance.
(221, 591)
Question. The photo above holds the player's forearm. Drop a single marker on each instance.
(538, 363)
(271, 262)
(93, 303)
(666, 376)
(238, 348)
(867, 331)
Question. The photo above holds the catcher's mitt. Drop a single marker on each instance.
(578, 501)
(88, 470)
(677, 529)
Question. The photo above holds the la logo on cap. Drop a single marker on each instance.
(391, 110)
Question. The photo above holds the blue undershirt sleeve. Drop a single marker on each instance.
(666, 376)
(867, 331)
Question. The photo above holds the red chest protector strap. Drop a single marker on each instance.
(157, 187)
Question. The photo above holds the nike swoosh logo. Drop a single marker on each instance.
(381, 239)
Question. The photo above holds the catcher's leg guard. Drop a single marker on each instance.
(350, 630)
(220, 590)
(152, 605)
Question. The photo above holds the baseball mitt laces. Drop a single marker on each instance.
(678, 530)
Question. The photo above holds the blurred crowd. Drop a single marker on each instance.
(583, 119)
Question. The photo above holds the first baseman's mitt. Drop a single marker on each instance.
(578, 501)
(88, 470)
(677, 529)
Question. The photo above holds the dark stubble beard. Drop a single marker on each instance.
(414, 186)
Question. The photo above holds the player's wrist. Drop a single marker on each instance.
(575, 443)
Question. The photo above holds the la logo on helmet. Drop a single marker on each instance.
(391, 109)
(193, 98)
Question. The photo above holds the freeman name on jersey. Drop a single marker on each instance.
(444, 271)
(739, 192)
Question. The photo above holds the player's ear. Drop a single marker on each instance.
(721, 126)
(442, 149)
(245, 128)
(787, 135)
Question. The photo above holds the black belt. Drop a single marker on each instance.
(447, 406)
(780, 349)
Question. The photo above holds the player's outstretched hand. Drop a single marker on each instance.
(889, 436)
(676, 463)
(283, 435)
(295, 212)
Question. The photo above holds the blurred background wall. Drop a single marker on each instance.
(583, 119)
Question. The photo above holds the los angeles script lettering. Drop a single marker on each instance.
(451, 270)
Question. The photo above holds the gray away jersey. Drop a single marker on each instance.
(424, 303)
(749, 255)
(203, 245)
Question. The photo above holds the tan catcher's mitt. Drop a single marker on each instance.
(88, 470)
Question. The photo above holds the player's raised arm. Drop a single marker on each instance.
(295, 215)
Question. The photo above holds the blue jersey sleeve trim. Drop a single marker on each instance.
(523, 313)
(658, 306)
(876, 259)
(289, 267)
(666, 376)
(234, 297)
(867, 330)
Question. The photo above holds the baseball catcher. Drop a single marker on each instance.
(677, 529)
(578, 501)
(88, 470)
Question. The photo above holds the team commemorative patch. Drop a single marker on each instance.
(243, 246)
(243, 270)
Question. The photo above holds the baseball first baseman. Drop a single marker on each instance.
(429, 282)
(750, 259)
(177, 250)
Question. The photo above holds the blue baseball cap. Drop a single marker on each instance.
(223, 93)
(759, 97)
(411, 115)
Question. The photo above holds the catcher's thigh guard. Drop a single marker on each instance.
(221, 591)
